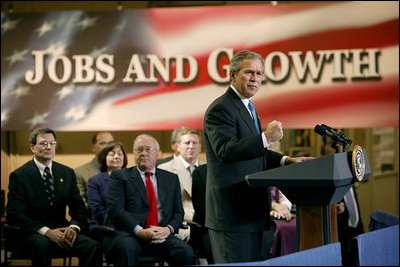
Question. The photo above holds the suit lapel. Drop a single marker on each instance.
(138, 183)
(184, 175)
(57, 177)
(185, 180)
(37, 183)
(161, 187)
(242, 110)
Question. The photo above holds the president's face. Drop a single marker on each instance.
(248, 79)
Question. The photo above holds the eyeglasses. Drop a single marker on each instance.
(141, 149)
(45, 144)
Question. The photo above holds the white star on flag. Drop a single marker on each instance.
(65, 91)
(76, 112)
(8, 25)
(37, 119)
(46, 27)
(17, 56)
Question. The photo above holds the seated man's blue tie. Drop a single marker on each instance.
(254, 115)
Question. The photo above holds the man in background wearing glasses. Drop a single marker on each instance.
(39, 193)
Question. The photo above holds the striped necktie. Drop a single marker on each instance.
(48, 183)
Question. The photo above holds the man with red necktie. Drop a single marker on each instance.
(131, 206)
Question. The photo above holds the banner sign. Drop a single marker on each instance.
(156, 69)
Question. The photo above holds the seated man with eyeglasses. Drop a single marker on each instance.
(145, 208)
(39, 193)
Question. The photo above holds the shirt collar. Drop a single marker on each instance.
(142, 173)
(41, 166)
(244, 99)
(186, 164)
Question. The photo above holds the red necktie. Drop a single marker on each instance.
(152, 216)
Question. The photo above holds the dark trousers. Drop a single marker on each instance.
(229, 247)
(345, 234)
(127, 250)
(200, 242)
(42, 250)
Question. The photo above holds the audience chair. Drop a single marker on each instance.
(379, 219)
(377, 248)
(326, 255)
(11, 252)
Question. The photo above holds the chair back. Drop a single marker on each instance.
(377, 248)
(379, 219)
(326, 255)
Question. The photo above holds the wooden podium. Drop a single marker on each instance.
(314, 186)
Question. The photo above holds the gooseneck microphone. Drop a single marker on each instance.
(335, 136)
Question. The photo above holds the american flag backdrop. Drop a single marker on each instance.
(359, 87)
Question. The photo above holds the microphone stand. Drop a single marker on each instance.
(343, 145)
(330, 212)
(338, 147)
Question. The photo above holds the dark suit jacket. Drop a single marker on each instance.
(199, 236)
(97, 194)
(28, 206)
(127, 201)
(234, 149)
(199, 179)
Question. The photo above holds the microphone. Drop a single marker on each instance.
(325, 130)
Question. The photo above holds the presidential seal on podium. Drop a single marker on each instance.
(358, 163)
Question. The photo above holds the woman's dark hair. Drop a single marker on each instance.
(102, 157)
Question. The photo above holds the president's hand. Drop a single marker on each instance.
(291, 160)
(274, 131)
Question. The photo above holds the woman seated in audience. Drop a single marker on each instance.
(112, 157)
(285, 231)
(283, 241)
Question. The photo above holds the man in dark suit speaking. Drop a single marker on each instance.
(236, 214)
(39, 193)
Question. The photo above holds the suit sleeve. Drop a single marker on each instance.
(17, 206)
(229, 139)
(81, 186)
(177, 206)
(96, 203)
(199, 194)
(77, 209)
